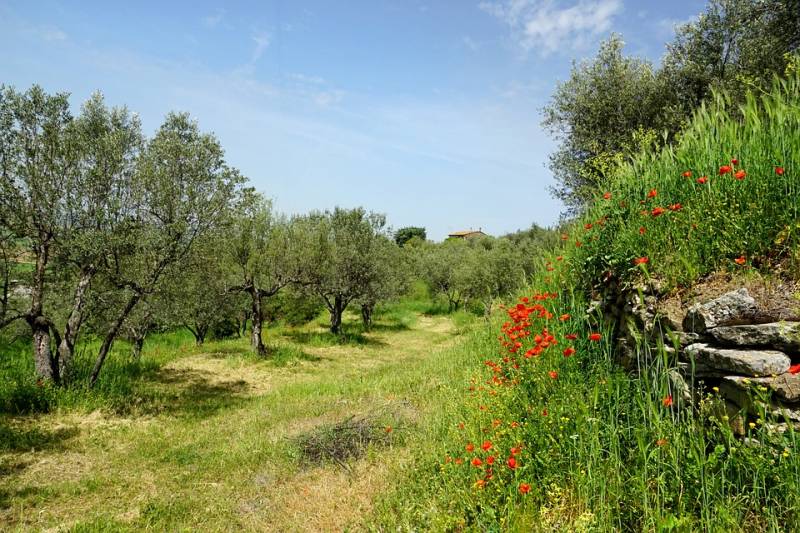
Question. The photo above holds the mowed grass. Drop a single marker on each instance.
(214, 442)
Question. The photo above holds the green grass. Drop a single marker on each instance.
(721, 219)
(209, 436)
(599, 449)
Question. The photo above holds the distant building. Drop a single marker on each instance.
(466, 234)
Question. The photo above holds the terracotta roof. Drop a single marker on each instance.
(466, 233)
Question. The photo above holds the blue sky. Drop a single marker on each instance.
(425, 110)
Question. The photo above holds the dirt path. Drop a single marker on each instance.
(219, 450)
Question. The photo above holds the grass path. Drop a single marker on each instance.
(219, 452)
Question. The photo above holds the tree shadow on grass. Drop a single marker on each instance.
(193, 393)
(29, 492)
(15, 439)
(21, 439)
(326, 338)
(391, 327)
(283, 355)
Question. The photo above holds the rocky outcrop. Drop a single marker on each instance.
(782, 335)
(746, 362)
(728, 343)
(735, 307)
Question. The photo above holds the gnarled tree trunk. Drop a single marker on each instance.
(337, 310)
(138, 344)
(45, 363)
(366, 315)
(111, 334)
(258, 319)
(66, 348)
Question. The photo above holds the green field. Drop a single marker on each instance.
(213, 437)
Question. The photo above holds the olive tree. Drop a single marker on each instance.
(65, 192)
(264, 252)
(340, 256)
(390, 277)
(438, 267)
(182, 189)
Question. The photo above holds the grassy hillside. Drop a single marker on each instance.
(552, 435)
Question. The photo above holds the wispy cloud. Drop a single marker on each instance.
(666, 27)
(212, 21)
(470, 43)
(262, 40)
(52, 33)
(547, 26)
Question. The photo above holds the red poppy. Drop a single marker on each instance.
(459, 460)
(588, 226)
(512, 463)
(687, 174)
(477, 462)
(490, 460)
(607, 196)
(734, 161)
(544, 412)
(564, 317)
(641, 260)
(524, 488)
(553, 374)
(470, 447)
(779, 171)
(388, 429)
(652, 193)
(702, 179)
(515, 451)
(657, 211)
(569, 351)
(578, 244)
(564, 236)
(794, 369)
(594, 337)
(480, 483)
(642, 230)
(571, 336)
(675, 207)
(486, 446)
(560, 258)
(724, 169)
(740, 260)
(667, 401)
(661, 442)
(740, 175)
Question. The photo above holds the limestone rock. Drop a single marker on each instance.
(738, 390)
(781, 335)
(735, 307)
(786, 387)
(747, 362)
(685, 339)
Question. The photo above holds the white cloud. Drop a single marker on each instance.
(666, 27)
(470, 43)
(547, 26)
(262, 40)
(52, 33)
(212, 21)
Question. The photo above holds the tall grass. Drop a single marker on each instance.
(596, 449)
(720, 220)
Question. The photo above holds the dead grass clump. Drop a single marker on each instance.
(342, 441)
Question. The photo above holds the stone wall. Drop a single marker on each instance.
(746, 352)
